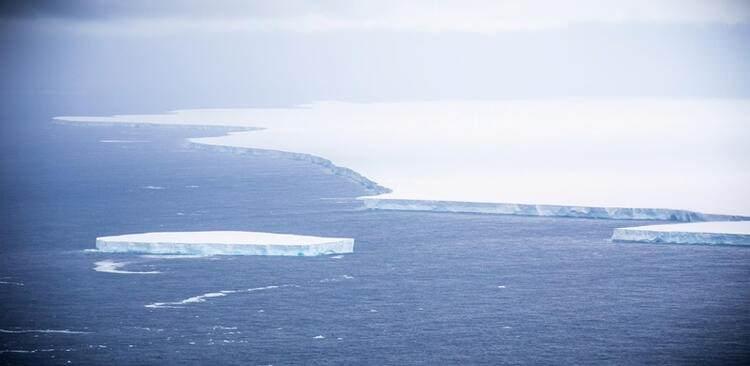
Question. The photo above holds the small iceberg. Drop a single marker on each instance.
(224, 243)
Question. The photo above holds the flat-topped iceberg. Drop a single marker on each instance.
(224, 243)
(615, 213)
(720, 233)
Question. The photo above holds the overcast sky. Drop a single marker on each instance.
(183, 54)
(486, 16)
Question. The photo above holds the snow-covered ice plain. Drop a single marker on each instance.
(720, 233)
(656, 159)
(222, 243)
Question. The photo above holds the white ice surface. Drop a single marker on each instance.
(720, 232)
(224, 243)
(622, 153)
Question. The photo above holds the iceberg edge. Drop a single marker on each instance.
(224, 243)
(614, 213)
(713, 233)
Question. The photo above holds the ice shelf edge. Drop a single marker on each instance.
(337, 246)
(678, 237)
(614, 213)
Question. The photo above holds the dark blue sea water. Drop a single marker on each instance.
(421, 288)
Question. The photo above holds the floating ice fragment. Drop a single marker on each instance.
(224, 243)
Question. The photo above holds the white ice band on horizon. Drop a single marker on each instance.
(681, 159)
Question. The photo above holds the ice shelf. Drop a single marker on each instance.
(720, 233)
(224, 243)
(640, 158)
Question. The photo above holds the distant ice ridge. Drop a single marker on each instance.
(36, 350)
(617, 213)
(719, 233)
(224, 243)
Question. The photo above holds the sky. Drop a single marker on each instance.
(160, 55)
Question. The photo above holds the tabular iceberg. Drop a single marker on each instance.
(719, 233)
(616, 213)
(224, 243)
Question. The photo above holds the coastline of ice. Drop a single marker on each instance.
(370, 186)
(716, 233)
(570, 157)
(224, 243)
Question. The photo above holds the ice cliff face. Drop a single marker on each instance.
(370, 186)
(717, 233)
(224, 243)
(544, 210)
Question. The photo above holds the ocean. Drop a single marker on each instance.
(420, 288)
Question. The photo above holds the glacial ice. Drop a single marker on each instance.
(719, 233)
(224, 243)
(613, 158)
(616, 213)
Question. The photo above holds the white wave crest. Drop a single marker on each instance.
(55, 331)
(123, 141)
(337, 279)
(11, 283)
(109, 266)
(153, 187)
(206, 296)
